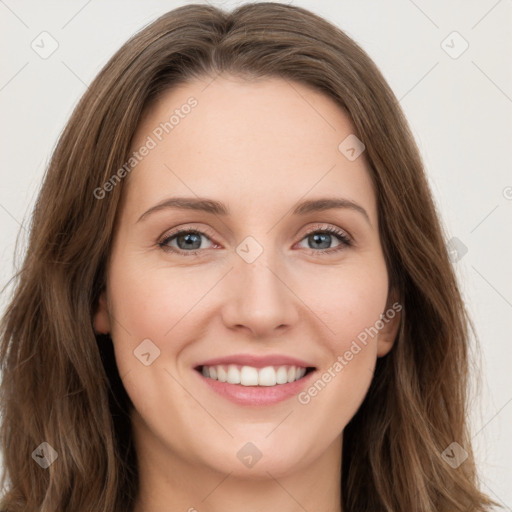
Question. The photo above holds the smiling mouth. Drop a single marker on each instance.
(251, 376)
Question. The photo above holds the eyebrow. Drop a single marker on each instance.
(218, 208)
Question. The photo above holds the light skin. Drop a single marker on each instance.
(261, 148)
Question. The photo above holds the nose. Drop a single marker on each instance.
(259, 299)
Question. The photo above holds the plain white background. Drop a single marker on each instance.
(458, 102)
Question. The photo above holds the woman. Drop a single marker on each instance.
(283, 375)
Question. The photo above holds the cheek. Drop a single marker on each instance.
(351, 306)
(142, 308)
(348, 300)
(150, 304)
(149, 301)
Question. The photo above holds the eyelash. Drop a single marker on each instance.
(340, 235)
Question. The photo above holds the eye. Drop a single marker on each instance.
(322, 238)
(185, 239)
(189, 241)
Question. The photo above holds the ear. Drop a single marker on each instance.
(391, 320)
(101, 321)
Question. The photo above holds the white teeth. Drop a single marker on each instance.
(267, 376)
(222, 376)
(300, 373)
(282, 375)
(233, 375)
(250, 376)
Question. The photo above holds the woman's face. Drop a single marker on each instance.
(254, 275)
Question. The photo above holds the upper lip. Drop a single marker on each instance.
(257, 361)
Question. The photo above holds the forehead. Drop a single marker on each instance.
(244, 142)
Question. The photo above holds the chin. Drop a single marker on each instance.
(255, 457)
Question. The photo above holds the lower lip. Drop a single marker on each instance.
(257, 395)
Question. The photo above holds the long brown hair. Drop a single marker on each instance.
(60, 382)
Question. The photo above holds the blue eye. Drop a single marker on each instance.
(189, 241)
(186, 239)
(324, 236)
